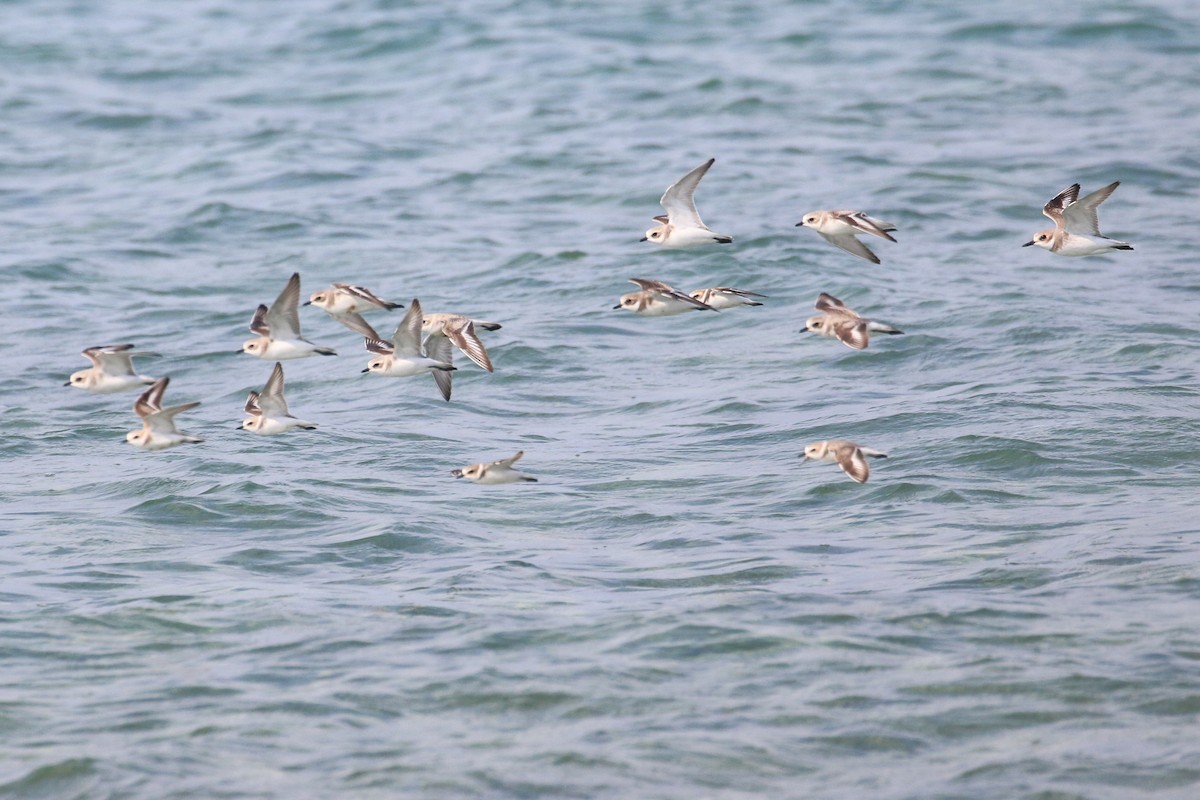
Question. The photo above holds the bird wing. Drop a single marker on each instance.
(862, 222)
(150, 401)
(827, 302)
(679, 200)
(258, 323)
(163, 421)
(1054, 209)
(508, 462)
(113, 359)
(271, 400)
(852, 333)
(406, 339)
(354, 321)
(252, 407)
(1080, 216)
(464, 338)
(854, 463)
(283, 318)
(437, 347)
(851, 245)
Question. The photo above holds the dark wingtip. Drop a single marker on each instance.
(392, 306)
(1123, 247)
(327, 352)
(893, 332)
(724, 239)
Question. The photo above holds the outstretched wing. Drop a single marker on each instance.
(1054, 209)
(283, 318)
(1080, 216)
(854, 463)
(271, 400)
(406, 339)
(865, 224)
(679, 199)
(354, 321)
(252, 407)
(827, 302)
(851, 245)
(464, 338)
(258, 323)
(150, 401)
(852, 333)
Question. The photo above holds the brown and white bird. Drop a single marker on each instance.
(1076, 229)
(496, 472)
(268, 410)
(158, 424)
(346, 303)
(844, 323)
(111, 371)
(406, 355)
(852, 458)
(842, 228)
(278, 328)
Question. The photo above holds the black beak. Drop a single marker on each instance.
(618, 305)
(368, 369)
(240, 428)
(644, 239)
(238, 352)
(68, 383)
(1027, 244)
(307, 303)
(799, 224)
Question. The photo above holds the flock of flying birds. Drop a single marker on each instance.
(424, 343)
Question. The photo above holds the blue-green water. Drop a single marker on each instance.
(680, 608)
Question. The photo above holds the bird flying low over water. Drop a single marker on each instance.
(405, 355)
(844, 323)
(347, 303)
(1076, 229)
(111, 371)
(852, 458)
(278, 328)
(681, 226)
(268, 410)
(496, 472)
(842, 228)
(158, 424)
